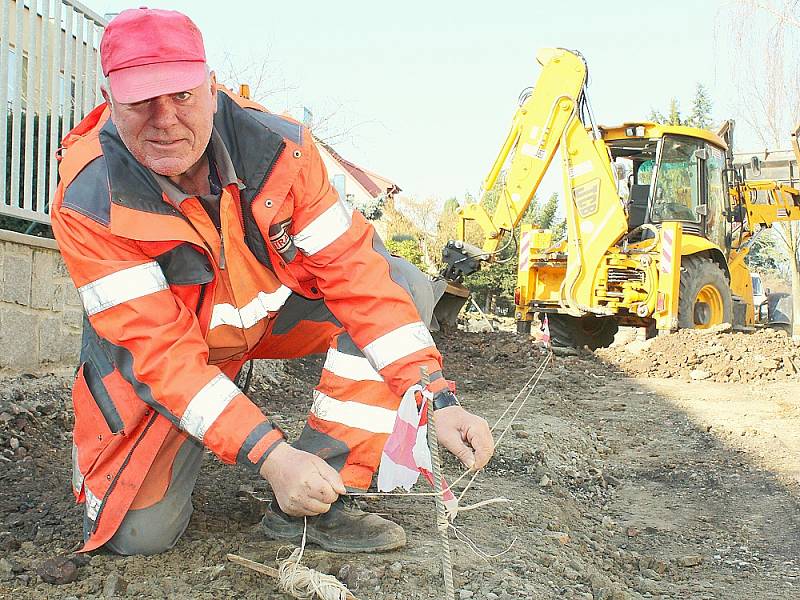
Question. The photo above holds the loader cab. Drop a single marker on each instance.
(672, 175)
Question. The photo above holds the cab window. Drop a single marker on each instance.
(716, 225)
(677, 189)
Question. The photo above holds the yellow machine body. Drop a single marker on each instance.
(694, 212)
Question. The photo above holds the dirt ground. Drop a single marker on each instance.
(622, 486)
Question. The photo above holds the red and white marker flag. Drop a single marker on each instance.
(406, 453)
(546, 331)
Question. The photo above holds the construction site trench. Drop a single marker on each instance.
(661, 469)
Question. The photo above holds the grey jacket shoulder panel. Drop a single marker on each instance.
(89, 192)
(281, 125)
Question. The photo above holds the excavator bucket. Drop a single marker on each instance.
(450, 297)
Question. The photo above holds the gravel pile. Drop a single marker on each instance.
(765, 355)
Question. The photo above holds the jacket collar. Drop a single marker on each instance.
(222, 162)
(252, 147)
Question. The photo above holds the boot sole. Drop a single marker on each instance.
(331, 545)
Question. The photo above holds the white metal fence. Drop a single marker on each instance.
(49, 79)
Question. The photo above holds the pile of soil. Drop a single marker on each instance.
(763, 355)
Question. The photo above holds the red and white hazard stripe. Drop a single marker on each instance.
(667, 251)
(525, 251)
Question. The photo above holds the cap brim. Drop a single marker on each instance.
(135, 84)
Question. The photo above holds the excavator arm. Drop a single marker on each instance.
(760, 204)
(550, 118)
(536, 131)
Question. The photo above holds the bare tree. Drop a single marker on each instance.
(267, 85)
(764, 36)
(331, 124)
(419, 219)
(334, 125)
(428, 222)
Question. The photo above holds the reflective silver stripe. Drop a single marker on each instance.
(397, 344)
(252, 312)
(225, 314)
(325, 229)
(92, 503)
(77, 476)
(355, 368)
(207, 405)
(353, 414)
(122, 286)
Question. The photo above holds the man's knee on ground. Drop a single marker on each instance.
(145, 534)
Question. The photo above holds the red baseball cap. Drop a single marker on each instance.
(148, 52)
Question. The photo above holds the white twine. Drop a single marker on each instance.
(470, 543)
(537, 374)
(304, 583)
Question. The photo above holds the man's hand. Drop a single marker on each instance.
(303, 483)
(465, 435)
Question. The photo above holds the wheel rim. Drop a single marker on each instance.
(708, 307)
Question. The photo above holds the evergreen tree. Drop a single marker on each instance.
(547, 214)
(766, 255)
(674, 117)
(656, 116)
(699, 117)
(701, 108)
(450, 205)
(406, 246)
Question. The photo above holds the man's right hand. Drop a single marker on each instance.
(303, 483)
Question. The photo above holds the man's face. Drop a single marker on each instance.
(168, 134)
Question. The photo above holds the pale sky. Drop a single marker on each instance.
(431, 86)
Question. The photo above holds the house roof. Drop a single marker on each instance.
(374, 184)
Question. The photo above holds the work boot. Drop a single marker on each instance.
(344, 528)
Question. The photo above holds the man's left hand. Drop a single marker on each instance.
(466, 435)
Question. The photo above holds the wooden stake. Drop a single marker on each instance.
(253, 565)
(263, 569)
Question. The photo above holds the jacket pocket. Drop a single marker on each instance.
(102, 398)
(114, 398)
(185, 265)
(92, 432)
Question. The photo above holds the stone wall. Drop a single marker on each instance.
(40, 310)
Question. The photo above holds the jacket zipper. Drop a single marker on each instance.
(222, 250)
(270, 168)
(200, 298)
(122, 468)
(203, 287)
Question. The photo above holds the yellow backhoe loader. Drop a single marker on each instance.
(658, 220)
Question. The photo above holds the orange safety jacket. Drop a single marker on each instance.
(147, 282)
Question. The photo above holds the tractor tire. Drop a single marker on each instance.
(705, 295)
(576, 332)
(523, 328)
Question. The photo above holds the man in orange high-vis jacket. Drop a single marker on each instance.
(201, 231)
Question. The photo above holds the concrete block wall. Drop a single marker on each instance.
(40, 310)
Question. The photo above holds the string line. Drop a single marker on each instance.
(536, 375)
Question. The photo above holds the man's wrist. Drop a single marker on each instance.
(260, 444)
(271, 456)
(443, 399)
